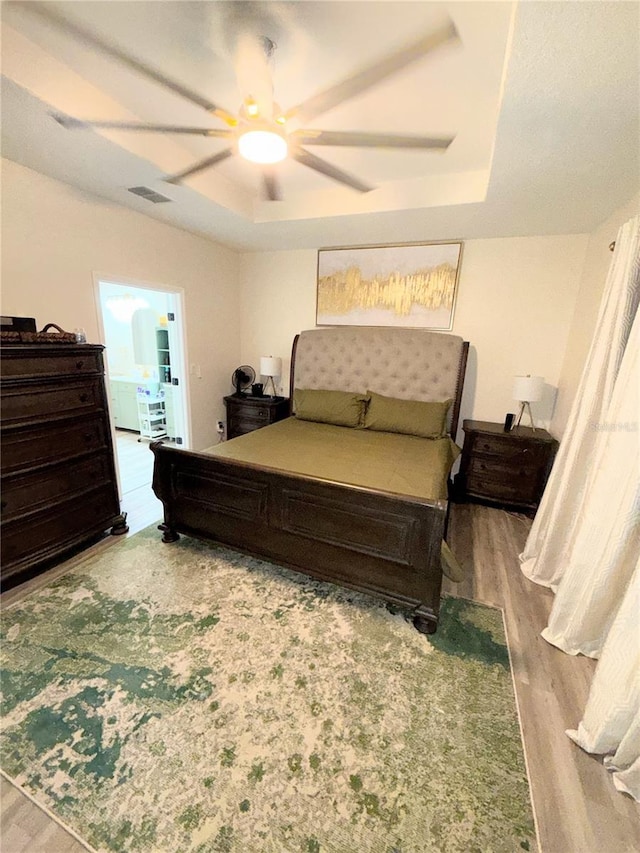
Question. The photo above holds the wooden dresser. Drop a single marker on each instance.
(506, 468)
(59, 487)
(246, 413)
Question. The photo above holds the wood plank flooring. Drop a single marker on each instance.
(135, 463)
(578, 810)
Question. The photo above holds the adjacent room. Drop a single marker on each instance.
(319, 360)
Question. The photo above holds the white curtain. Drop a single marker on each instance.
(553, 532)
(606, 539)
(611, 722)
(585, 540)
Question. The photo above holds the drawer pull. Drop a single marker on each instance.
(79, 364)
(84, 397)
(3, 505)
(88, 436)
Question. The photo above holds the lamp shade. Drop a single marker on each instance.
(270, 366)
(528, 389)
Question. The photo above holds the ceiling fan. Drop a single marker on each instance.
(261, 132)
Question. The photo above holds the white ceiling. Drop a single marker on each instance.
(542, 98)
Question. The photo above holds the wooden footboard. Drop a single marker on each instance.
(375, 542)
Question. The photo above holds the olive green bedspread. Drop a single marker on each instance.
(402, 464)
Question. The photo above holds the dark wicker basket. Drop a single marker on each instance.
(43, 337)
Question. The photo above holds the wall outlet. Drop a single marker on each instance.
(219, 427)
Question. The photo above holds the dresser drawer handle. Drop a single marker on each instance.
(79, 364)
(3, 505)
(88, 436)
(84, 397)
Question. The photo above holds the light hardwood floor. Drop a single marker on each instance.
(577, 807)
(135, 463)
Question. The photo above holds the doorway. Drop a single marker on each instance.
(142, 330)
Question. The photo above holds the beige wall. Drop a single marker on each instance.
(594, 275)
(55, 237)
(526, 304)
(515, 303)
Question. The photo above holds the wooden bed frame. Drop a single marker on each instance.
(372, 541)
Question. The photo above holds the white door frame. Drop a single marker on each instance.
(181, 327)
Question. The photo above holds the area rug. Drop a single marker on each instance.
(188, 699)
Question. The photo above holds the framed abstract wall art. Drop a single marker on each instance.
(412, 285)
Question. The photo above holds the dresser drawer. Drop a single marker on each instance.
(54, 531)
(59, 487)
(42, 364)
(45, 487)
(49, 400)
(26, 447)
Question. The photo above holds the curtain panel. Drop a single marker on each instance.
(558, 518)
(585, 540)
(611, 722)
(606, 542)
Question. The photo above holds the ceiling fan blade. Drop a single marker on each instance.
(199, 166)
(369, 140)
(78, 123)
(361, 81)
(271, 185)
(313, 162)
(86, 37)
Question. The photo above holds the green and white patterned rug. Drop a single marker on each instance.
(186, 699)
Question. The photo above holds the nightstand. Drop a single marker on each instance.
(506, 468)
(246, 413)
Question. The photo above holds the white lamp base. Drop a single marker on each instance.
(524, 405)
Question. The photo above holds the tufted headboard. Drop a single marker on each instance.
(411, 364)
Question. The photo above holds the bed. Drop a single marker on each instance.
(354, 505)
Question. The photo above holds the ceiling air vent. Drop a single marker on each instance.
(149, 194)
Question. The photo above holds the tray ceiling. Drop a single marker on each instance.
(543, 108)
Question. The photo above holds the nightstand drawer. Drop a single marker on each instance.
(520, 490)
(499, 468)
(507, 468)
(259, 414)
(235, 428)
(504, 448)
(246, 414)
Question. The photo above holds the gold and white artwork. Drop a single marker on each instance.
(411, 285)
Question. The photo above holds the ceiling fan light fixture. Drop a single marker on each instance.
(262, 146)
(251, 108)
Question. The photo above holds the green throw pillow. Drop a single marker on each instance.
(412, 417)
(341, 408)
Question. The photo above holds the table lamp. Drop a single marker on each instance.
(270, 367)
(527, 389)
